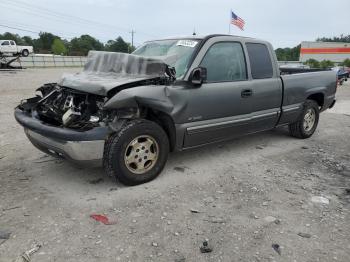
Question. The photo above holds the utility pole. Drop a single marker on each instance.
(132, 37)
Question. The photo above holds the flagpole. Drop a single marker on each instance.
(229, 24)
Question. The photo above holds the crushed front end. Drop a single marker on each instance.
(69, 118)
(66, 123)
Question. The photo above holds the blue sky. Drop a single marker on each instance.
(285, 23)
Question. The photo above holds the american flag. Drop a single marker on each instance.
(237, 21)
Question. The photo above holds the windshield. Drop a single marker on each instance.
(176, 53)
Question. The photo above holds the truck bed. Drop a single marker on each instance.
(299, 86)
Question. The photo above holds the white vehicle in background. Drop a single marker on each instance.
(9, 48)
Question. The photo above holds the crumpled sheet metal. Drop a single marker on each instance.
(104, 71)
(156, 97)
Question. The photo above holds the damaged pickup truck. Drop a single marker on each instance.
(128, 112)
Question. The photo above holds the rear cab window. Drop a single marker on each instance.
(12, 43)
(260, 61)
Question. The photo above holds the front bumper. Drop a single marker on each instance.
(66, 143)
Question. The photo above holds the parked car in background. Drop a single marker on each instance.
(342, 74)
(128, 111)
(10, 48)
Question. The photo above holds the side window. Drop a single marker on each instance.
(225, 62)
(260, 61)
(5, 43)
(12, 43)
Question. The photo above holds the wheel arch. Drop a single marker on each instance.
(149, 102)
(318, 98)
(165, 121)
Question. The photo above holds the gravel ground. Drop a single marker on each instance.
(246, 196)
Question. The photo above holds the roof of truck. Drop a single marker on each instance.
(199, 37)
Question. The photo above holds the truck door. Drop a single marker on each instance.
(13, 47)
(218, 110)
(6, 47)
(266, 92)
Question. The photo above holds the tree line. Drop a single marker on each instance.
(78, 46)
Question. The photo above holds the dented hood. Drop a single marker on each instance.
(105, 71)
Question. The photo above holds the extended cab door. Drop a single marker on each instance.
(266, 96)
(219, 108)
(13, 47)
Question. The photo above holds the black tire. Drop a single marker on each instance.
(25, 53)
(117, 144)
(297, 129)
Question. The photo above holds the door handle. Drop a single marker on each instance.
(246, 93)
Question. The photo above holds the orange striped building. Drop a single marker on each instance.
(333, 51)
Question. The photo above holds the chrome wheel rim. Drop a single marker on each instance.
(309, 119)
(141, 154)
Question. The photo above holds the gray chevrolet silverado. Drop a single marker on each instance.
(128, 111)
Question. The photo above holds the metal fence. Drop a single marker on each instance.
(290, 63)
(79, 61)
(51, 61)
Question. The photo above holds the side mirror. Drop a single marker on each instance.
(198, 76)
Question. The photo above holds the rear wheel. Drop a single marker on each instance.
(307, 123)
(137, 153)
(25, 52)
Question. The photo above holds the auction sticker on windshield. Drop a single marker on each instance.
(188, 43)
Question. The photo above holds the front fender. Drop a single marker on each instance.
(155, 97)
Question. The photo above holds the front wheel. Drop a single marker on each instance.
(307, 123)
(137, 153)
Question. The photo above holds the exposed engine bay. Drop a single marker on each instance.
(60, 106)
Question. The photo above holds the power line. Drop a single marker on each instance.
(59, 16)
(20, 29)
(45, 16)
(59, 19)
(36, 28)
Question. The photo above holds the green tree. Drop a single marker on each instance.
(341, 38)
(10, 36)
(83, 44)
(27, 40)
(288, 54)
(313, 63)
(131, 48)
(326, 64)
(118, 45)
(58, 47)
(47, 40)
(346, 62)
(44, 42)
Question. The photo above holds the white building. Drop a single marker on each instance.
(333, 51)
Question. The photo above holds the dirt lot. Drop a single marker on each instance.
(251, 194)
